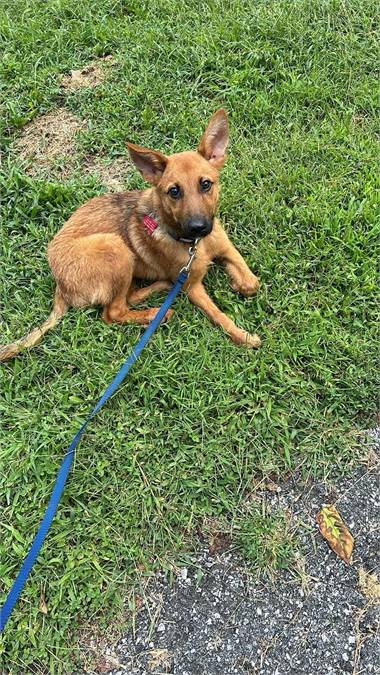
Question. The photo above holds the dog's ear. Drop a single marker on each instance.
(150, 163)
(214, 141)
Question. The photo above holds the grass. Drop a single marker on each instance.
(197, 418)
(267, 540)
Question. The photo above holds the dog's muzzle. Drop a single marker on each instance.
(197, 227)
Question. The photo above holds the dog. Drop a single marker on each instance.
(145, 234)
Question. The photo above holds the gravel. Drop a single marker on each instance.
(215, 618)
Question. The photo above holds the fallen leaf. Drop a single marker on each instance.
(43, 605)
(333, 529)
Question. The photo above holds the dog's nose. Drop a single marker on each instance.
(198, 227)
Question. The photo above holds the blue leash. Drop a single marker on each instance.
(63, 472)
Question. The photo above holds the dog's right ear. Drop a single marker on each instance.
(150, 163)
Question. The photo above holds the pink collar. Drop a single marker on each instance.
(150, 224)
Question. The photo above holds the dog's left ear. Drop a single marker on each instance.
(214, 141)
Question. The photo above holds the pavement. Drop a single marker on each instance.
(320, 618)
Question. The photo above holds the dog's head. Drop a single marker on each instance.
(187, 182)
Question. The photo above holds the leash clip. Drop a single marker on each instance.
(192, 256)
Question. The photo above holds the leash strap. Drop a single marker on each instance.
(63, 472)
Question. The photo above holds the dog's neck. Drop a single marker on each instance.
(153, 218)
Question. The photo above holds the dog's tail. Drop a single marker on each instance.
(30, 339)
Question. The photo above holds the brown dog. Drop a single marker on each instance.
(113, 239)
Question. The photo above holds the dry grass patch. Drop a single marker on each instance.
(95, 652)
(160, 658)
(48, 143)
(113, 174)
(88, 76)
(369, 585)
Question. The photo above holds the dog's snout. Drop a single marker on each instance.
(198, 226)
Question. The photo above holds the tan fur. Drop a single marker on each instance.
(103, 246)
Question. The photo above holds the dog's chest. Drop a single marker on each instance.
(160, 262)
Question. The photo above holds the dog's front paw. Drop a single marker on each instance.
(247, 340)
(247, 286)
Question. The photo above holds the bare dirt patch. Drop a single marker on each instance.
(48, 143)
(89, 76)
(48, 146)
(113, 174)
(217, 534)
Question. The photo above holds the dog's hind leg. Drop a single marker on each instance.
(119, 312)
(137, 295)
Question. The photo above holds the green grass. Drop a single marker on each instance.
(197, 418)
(267, 540)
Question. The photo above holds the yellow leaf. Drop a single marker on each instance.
(333, 529)
(43, 605)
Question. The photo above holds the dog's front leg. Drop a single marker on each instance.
(198, 296)
(242, 279)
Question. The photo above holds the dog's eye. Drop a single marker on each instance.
(174, 192)
(205, 184)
